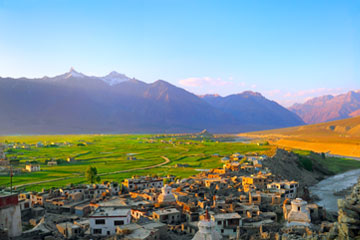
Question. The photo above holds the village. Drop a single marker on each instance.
(241, 200)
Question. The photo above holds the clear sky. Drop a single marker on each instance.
(287, 50)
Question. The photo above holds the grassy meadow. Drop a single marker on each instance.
(334, 164)
(111, 153)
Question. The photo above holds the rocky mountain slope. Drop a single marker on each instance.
(76, 103)
(329, 108)
(252, 107)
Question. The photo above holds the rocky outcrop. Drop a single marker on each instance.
(349, 215)
(348, 225)
(291, 166)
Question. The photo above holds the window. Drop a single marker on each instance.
(97, 231)
(298, 208)
(222, 230)
(100, 221)
(118, 223)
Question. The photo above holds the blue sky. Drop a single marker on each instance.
(287, 50)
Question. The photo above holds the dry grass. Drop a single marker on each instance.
(340, 137)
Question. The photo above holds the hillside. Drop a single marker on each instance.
(329, 108)
(76, 103)
(341, 137)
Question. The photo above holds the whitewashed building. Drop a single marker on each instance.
(105, 220)
(32, 167)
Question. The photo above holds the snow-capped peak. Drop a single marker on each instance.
(114, 78)
(74, 73)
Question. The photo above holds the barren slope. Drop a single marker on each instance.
(340, 137)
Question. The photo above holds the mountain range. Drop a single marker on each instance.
(76, 103)
(328, 108)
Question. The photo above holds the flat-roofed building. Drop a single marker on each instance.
(143, 183)
(167, 216)
(104, 220)
(289, 188)
(227, 223)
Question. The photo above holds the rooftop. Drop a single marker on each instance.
(166, 211)
(110, 212)
(227, 216)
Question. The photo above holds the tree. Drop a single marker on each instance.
(166, 181)
(91, 174)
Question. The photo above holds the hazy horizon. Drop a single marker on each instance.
(334, 93)
(288, 51)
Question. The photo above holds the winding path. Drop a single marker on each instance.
(167, 160)
(142, 168)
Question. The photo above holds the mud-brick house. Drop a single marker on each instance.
(288, 189)
(167, 216)
(227, 223)
(69, 230)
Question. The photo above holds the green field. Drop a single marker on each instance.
(109, 153)
(334, 164)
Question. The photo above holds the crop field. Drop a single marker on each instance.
(115, 156)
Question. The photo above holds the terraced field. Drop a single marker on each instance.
(111, 155)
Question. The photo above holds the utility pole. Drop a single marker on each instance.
(11, 176)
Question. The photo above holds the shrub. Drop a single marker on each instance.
(306, 163)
